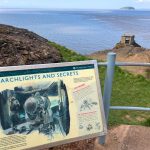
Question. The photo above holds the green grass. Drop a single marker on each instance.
(68, 55)
(128, 90)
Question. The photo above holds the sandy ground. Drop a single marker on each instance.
(124, 137)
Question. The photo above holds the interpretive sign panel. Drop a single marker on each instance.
(47, 105)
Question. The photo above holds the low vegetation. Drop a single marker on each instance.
(68, 55)
(128, 90)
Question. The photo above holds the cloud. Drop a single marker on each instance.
(143, 1)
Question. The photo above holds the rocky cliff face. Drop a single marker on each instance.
(21, 47)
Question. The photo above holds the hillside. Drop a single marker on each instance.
(128, 90)
(128, 54)
(20, 47)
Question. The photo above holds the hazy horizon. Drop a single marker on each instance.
(72, 9)
(78, 4)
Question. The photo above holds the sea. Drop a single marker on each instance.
(84, 31)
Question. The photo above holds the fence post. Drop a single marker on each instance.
(111, 58)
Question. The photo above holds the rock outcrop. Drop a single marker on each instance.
(22, 47)
(131, 53)
(128, 8)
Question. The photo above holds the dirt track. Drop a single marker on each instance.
(127, 138)
(124, 137)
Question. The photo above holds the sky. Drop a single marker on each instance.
(75, 4)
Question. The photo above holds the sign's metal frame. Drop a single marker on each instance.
(65, 64)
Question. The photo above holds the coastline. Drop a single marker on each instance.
(94, 29)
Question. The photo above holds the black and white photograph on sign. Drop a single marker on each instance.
(42, 107)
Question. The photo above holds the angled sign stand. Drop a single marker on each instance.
(51, 104)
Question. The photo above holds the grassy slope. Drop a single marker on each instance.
(128, 90)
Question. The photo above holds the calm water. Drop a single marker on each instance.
(83, 31)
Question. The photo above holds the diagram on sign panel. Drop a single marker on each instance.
(87, 104)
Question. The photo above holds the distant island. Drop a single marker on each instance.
(128, 8)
